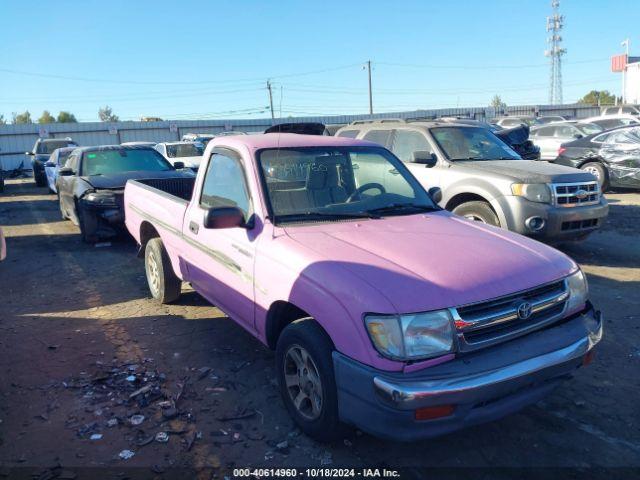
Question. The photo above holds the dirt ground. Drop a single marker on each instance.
(79, 335)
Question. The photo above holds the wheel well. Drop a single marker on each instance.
(464, 198)
(280, 315)
(147, 232)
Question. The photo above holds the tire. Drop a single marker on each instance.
(163, 283)
(597, 170)
(316, 415)
(478, 211)
(88, 224)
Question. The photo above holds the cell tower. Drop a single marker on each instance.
(555, 23)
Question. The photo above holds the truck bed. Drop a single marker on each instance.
(178, 187)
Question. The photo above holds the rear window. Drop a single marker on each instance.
(50, 146)
(184, 150)
(125, 160)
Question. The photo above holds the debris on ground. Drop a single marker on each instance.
(238, 414)
(96, 436)
(162, 437)
(136, 419)
(126, 454)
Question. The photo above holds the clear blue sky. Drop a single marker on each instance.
(211, 59)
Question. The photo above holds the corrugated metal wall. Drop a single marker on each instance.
(17, 139)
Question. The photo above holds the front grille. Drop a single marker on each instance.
(576, 194)
(485, 323)
(580, 224)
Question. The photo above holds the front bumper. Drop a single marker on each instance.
(482, 386)
(560, 223)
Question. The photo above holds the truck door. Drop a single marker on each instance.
(220, 261)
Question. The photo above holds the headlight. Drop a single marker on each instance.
(578, 291)
(535, 192)
(101, 198)
(411, 337)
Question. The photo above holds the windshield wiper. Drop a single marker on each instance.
(400, 207)
(334, 215)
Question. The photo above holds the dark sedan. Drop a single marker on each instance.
(91, 185)
(613, 156)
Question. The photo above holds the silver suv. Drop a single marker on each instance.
(483, 179)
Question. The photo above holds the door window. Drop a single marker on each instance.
(405, 142)
(565, 131)
(349, 133)
(380, 137)
(544, 132)
(225, 185)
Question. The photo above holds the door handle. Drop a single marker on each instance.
(394, 171)
(194, 227)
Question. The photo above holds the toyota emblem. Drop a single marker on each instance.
(524, 310)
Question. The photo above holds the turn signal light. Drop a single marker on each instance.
(561, 150)
(431, 413)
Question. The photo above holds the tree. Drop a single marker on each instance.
(67, 117)
(24, 117)
(598, 97)
(497, 103)
(2, 120)
(46, 117)
(106, 114)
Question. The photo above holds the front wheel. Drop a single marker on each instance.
(478, 211)
(163, 283)
(304, 369)
(597, 170)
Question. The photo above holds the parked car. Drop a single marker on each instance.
(202, 138)
(544, 119)
(140, 143)
(613, 156)
(550, 137)
(3, 246)
(91, 185)
(508, 122)
(607, 122)
(187, 153)
(304, 128)
(384, 311)
(483, 179)
(622, 110)
(56, 161)
(42, 149)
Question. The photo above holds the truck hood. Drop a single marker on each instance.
(528, 171)
(428, 261)
(119, 180)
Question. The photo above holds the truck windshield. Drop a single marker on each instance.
(190, 149)
(472, 143)
(103, 162)
(329, 183)
(50, 146)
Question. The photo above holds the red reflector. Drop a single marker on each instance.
(561, 150)
(429, 413)
(588, 358)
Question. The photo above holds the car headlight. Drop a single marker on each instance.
(413, 336)
(535, 192)
(101, 198)
(578, 290)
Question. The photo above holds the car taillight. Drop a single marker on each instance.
(561, 150)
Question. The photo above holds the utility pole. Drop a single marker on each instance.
(273, 117)
(370, 94)
(624, 71)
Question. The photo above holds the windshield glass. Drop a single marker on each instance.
(589, 128)
(184, 150)
(324, 182)
(125, 160)
(472, 143)
(49, 147)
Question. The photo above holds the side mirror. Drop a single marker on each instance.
(31, 154)
(65, 172)
(428, 159)
(224, 217)
(577, 135)
(178, 165)
(436, 194)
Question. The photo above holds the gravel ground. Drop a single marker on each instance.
(79, 335)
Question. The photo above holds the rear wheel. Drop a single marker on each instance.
(478, 211)
(163, 283)
(304, 368)
(597, 170)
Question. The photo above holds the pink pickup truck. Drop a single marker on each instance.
(385, 311)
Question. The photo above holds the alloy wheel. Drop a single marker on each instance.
(303, 382)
